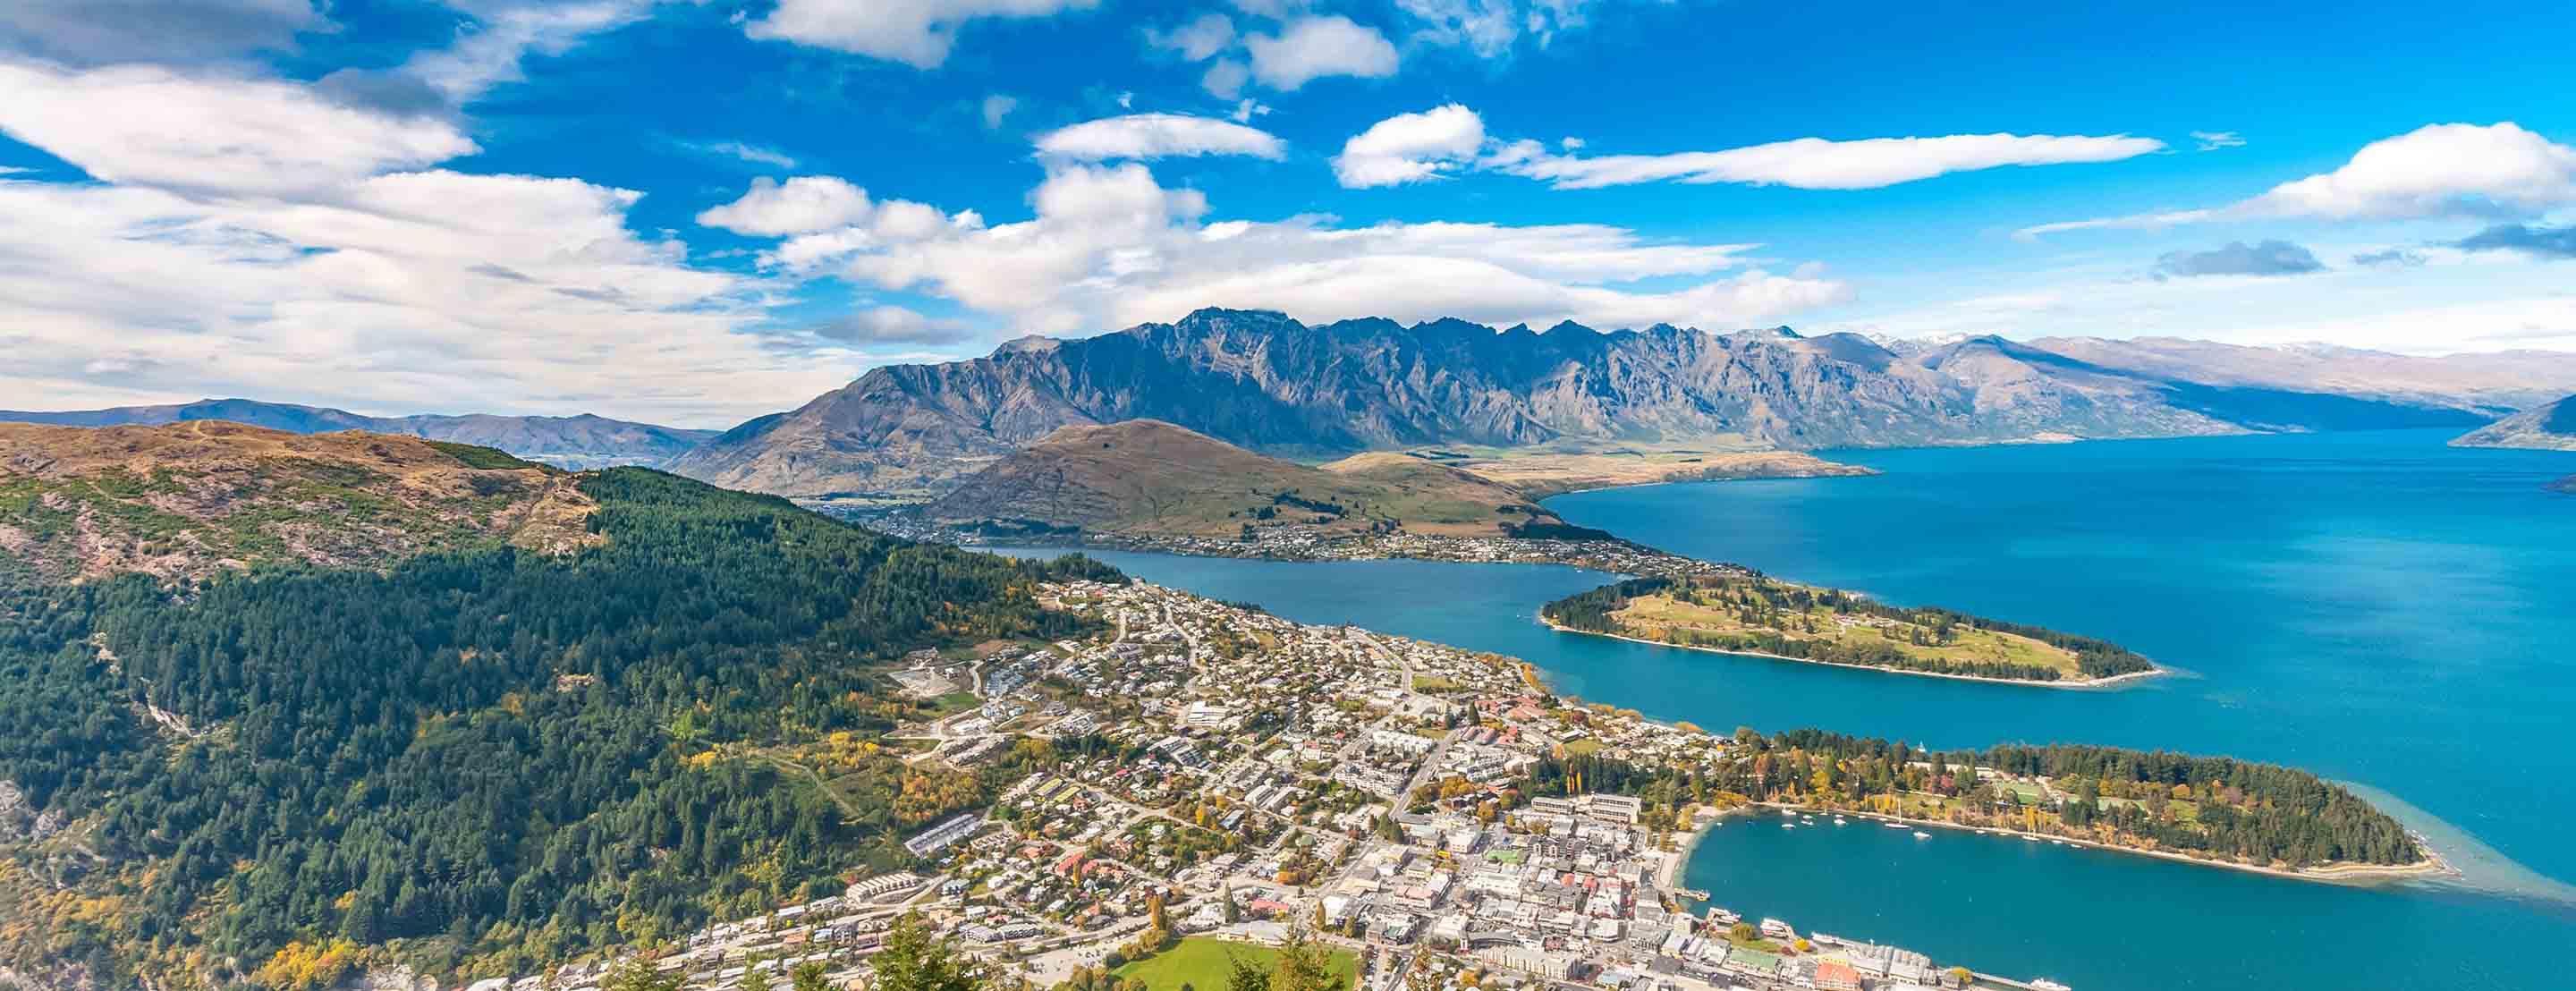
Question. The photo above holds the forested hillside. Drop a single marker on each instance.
(476, 759)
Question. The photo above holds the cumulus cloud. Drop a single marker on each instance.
(99, 31)
(1816, 163)
(919, 33)
(1109, 246)
(1410, 147)
(410, 291)
(1197, 40)
(255, 238)
(2488, 171)
(1146, 136)
(2438, 170)
(2267, 258)
(800, 205)
(155, 126)
(1317, 46)
(2537, 242)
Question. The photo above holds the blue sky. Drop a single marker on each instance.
(698, 212)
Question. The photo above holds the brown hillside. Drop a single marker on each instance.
(1148, 477)
(188, 499)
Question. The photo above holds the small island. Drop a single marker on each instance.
(1742, 612)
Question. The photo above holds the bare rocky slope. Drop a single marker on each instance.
(1263, 381)
(2547, 427)
(1150, 478)
(575, 442)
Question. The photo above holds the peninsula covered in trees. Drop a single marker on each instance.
(1746, 613)
(2208, 808)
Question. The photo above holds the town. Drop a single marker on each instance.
(1297, 543)
(1225, 779)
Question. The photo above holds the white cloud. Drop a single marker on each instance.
(409, 291)
(2215, 140)
(996, 107)
(1410, 147)
(1816, 163)
(1314, 47)
(800, 205)
(1109, 246)
(2132, 222)
(1159, 136)
(249, 237)
(148, 125)
(1245, 110)
(2439, 170)
(488, 53)
(754, 154)
(1197, 40)
(916, 32)
(2436, 170)
(1493, 28)
(1225, 78)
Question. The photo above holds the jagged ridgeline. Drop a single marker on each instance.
(1751, 613)
(464, 751)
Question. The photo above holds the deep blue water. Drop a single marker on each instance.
(2376, 607)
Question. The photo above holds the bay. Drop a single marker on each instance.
(2376, 607)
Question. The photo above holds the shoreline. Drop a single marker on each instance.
(2346, 874)
(2085, 685)
(1670, 876)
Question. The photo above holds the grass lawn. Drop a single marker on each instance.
(956, 702)
(1664, 614)
(1203, 963)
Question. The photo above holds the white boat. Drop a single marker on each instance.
(2030, 839)
(1791, 813)
(1838, 820)
(1921, 835)
(1788, 825)
(1895, 825)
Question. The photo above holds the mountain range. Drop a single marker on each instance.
(574, 442)
(1280, 387)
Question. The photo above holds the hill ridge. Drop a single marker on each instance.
(580, 440)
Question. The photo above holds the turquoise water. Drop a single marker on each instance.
(2374, 606)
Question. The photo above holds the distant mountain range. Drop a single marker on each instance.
(576, 442)
(1266, 382)
(2548, 427)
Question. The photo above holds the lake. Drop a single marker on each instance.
(2376, 607)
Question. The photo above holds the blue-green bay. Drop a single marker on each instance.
(2376, 607)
